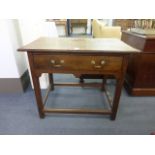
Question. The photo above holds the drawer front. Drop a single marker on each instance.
(78, 62)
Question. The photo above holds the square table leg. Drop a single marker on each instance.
(38, 96)
(51, 81)
(118, 89)
(37, 89)
(116, 99)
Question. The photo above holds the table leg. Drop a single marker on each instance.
(118, 89)
(81, 79)
(103, 84)
(51, 81)
(116, 98)
(66, 29)
(38, 96)
(36, 84)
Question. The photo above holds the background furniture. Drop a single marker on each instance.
(78, 23)
(60, 22)
(78, 56)
(124, 23)
(140, 77)
(100, 30)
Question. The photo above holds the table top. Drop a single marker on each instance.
(70, 45)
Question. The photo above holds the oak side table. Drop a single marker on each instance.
(78, 56)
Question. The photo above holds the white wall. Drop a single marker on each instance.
(108, 22)
(12, 64)
(61, 30)
(16, 40)
(32, 29)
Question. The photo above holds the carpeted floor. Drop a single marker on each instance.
(18, 113)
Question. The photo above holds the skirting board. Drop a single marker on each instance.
(11, 85)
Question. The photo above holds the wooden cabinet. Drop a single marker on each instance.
(124, 23)
(78, 23)
(140, 77)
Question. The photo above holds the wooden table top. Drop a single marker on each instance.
(87, 45)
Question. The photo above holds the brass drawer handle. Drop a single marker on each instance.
(57, 65)
(53, 61)
(103, 62)
(98, 66)
(93, 62)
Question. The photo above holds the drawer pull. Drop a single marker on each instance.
(98, 66)
(53, 61)
(57, 65)
(93, 62)
(102, 62)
